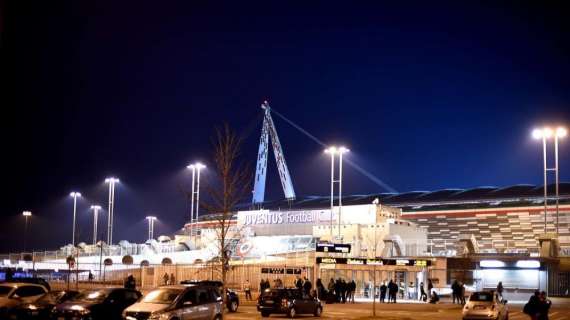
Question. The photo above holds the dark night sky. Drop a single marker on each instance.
(427, 96)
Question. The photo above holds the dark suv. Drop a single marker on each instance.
(232, 298)
(288, 301)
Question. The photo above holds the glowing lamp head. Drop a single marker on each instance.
(27, 213)
(151, 218)
(561, 132)
(199, 166)
(112, 180)
(547, 132)
(75, 194)
(343, 150)
(95, 207)
(537, 134)
(191, 166)
(331, 150)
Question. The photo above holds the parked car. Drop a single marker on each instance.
(40, 281)
(288, 301)
(106, 303)
(232, 298)
(13, 294)
(485, 305)
(42, 307)
(193, 301)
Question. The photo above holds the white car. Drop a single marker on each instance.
(485, 305)
(15, 294)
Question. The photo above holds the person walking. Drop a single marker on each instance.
(172, 279)
(331, 294)
(462, 293)
(343, 290)
(247, 290)
(165, 278)
(320, 289)
(423, 295)
(130, 282)
(430, 288)
(299, 284)
(383, 290)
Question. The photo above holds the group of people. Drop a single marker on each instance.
(304, 285)
(537, 306)
(168, 280)
(458, 292)
(392, 289)
(265, 284)
(338, 291)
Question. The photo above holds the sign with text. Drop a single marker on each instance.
(377, 262)
(333, 247)
(281, 270)
(266, 217)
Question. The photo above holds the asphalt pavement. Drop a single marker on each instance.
(361, 311)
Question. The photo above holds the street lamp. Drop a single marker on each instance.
(196, 167)
(544, 134)
(95, 217)
(74, 195)
(151, 220)
(340, 151)
(27, 215)
(111, 181)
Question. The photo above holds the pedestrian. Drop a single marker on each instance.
(395, 290)
(90, 277)
(261, 286)
(320, 289)
(172, 279)
(247, 289)
(165, 279)
(383, 290)
(455, 291)
(352, 289)
(430, 288)
(130, 282)
(531, 308)
(299, 284)
(337, 289)
(331, 294)
(500, 290)
(462, 293)
(543, 306)
(307, 286)
(423, 295)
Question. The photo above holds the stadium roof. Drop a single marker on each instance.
(479, 197)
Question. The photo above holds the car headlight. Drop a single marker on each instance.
(158, 316)
(32, 307)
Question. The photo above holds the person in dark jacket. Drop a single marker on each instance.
(430, 288)
(130, 282)
(532, 306)
(423, 295)
(343, 288)
(455, 291)
(383, 290)
(395, 290)
(337, 289)
(307, 286)
(544, 305)
(351, 290)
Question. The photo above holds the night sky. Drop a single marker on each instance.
(427, 96)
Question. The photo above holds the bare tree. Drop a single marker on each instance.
(230, 186)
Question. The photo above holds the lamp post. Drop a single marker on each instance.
(340, 151)
(151, 220)
(74, 195)
(111, 181)
(332, 151)
(95, 209)
(196, 168)
(27, 215)
(560, 133)
(545, 134)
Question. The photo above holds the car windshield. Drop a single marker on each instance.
(5, 290)
(50, 297)
(482, 296)
(163, 296)
(92, 296)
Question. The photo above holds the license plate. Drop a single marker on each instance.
(269, 301)
(479, 307)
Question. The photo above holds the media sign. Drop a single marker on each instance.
(377, 262)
